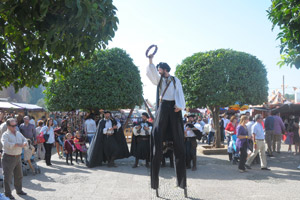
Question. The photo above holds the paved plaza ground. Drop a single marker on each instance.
(215, 178)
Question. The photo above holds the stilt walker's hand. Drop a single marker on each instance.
(151, 59)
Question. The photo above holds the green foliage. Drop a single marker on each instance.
(41, 37)
(221, 78)
(286, 15)
(110, 80)
(289, 97)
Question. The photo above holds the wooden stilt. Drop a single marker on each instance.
(185, 193)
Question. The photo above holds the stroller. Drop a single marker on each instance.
(28, 160)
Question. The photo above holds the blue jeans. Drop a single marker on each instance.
(210, 137)
(90, 137)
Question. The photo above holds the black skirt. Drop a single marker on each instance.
(111, 148)
(143, 148)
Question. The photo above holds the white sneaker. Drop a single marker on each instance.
(298, 167)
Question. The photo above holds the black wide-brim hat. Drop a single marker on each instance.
(107, 111)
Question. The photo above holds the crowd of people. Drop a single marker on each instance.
(248, 135)
(72, 134)
(245, 136)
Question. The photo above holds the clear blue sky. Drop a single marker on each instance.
(182, 28)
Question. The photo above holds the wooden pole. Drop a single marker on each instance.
(127, 120)
(148, 109)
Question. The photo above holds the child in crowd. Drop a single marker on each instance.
(69, 148)
(79, 145)
(28, 152)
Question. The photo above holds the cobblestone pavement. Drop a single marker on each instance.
(215, 178)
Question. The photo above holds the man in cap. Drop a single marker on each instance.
(168, 125)
(140, 144)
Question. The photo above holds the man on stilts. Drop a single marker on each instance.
(168, 125)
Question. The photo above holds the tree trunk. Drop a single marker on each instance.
(215, 111)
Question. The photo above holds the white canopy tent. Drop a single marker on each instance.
(8, 105)
(28, 106)
(5, 105)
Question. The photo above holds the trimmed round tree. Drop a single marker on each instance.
(110, 80)
(219, 78)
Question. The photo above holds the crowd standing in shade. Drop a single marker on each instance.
(100, 140)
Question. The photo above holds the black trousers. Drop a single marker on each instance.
(243, 156)
(48, 149)
(191, 149)
(80, 153)
(69, 155)
(168, 126)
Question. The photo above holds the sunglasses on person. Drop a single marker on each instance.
(13, 126)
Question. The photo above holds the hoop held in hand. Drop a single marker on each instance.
(153, 45)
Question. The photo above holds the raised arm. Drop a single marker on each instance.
(152, 72)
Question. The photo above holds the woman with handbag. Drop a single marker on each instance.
(48, 133)
(230, 130)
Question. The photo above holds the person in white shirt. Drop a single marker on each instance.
(13, 142)
(249, 126)
(258, 134)
(140, 143)
(191, 143)
(48, 144)
(168, 126)
(212, 131)
(90, 128)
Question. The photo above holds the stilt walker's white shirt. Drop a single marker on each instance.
(172, 93)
